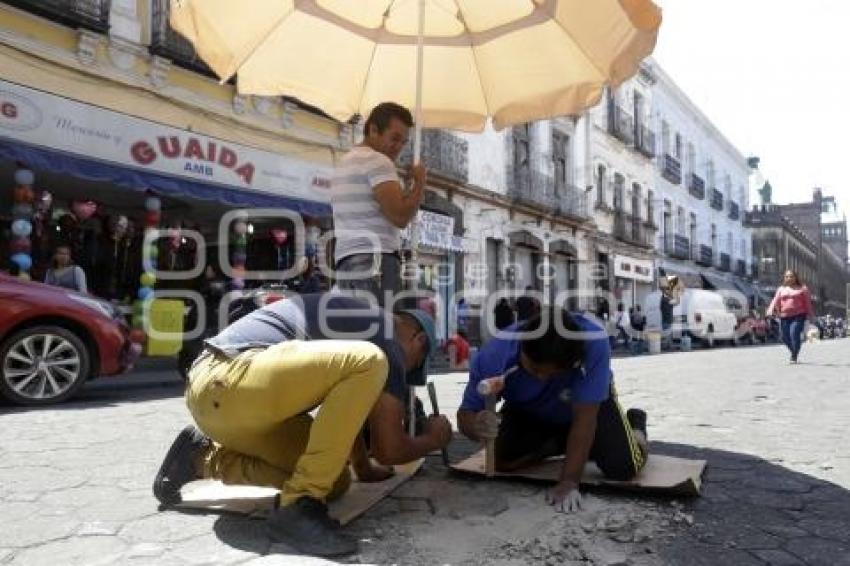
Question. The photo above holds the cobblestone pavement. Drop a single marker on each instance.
(75, 480)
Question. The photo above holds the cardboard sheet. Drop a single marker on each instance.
(251, 500)
(662, 474)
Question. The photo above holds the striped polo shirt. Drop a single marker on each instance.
(359, 224)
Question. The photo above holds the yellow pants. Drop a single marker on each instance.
(255, 408)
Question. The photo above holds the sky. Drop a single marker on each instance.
(774, 77)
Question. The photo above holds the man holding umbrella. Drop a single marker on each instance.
(371, 207)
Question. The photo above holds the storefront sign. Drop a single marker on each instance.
(631, 268)
(436, 231)
(42, 119)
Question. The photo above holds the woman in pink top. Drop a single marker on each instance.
(793, 304)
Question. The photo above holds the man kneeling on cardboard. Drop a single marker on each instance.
(559, 398)
(251, 391)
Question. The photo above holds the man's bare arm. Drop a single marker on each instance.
(391, 444)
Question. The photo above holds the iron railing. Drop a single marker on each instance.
(621, 124)
(671, 169)
(645, 142)
(88, 14)
(705, 256)
(167, 43)
(696, 186)
(734, 211)
(629, 228)
(677, 246)
(716, 201)
(443, 153)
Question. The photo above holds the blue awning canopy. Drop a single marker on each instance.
(139, 180)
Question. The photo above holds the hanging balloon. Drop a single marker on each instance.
(239, 227)
(24, 276)
(237, 284)
(24, 177)
(135, 350)
(145, 293)
(239, 240)
(22, 210)
(84, 209)
(138, 308)
(238, 258)
(147, 279)
(21, 246)
(22, 228)
(279, 236)
(23, 261)
(153, 252)
(138, 321)
(152, 218)
(23, 193)
(137, 336)
(153, 204)
(44, 201)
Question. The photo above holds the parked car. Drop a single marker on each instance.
(52, 340)
(701, 314)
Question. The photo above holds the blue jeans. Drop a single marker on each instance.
(792, 333)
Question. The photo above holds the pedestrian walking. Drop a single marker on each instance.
(370, 206)
(793, 304)
(622, 321)
(669, 299)
(64, 272)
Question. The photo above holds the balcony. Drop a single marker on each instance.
(696, 186)
(716, 201)
(645, 142)
(705, 256)
(88, 14)
(571, 202)
(167, 43)
(725, 262)
(629, 229)
(443, 153)
(741, 268)
(671, 169)
(734, 211)
(677, 246)
(621, 124)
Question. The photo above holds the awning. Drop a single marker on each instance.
(689, 279)
(139, 180)
(718, 283)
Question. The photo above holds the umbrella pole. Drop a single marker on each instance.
(417, 154)
(417, 111)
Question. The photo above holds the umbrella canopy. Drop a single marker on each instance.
(510, 60)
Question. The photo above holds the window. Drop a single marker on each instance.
(678, 148)
(650, 209)
(600, 184)
(619, 190)
(522, 155)
(560, 156)
(692, 159)
(636, 195)
(727, 187)
(709, 170)
(680, 221)
(665, 138)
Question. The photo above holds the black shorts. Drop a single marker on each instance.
(615, 451)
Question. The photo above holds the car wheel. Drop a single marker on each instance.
(708, 340)
(42, 365)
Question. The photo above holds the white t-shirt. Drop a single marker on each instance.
(359, 224)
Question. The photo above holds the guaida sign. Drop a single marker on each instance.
(45, 120)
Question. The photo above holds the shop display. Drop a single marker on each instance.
(23, 196)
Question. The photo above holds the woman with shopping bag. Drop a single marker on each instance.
(793, 304)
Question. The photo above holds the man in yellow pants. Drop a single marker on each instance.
(252, 389)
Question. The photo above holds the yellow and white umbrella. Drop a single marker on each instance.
(457, 62)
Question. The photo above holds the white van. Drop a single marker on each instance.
(700, 313)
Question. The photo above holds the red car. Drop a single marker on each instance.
(52, 340)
